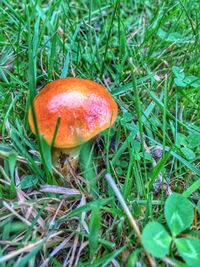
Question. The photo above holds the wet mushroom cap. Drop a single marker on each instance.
(85, 108)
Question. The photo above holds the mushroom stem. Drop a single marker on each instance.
(65, 159)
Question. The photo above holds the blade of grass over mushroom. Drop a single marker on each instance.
(47, 159)
(55, 132)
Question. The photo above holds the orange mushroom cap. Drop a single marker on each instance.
(84, 107)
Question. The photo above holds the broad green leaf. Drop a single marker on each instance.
(119, 170)
(178, 72)
(192, 80)
(189, 154)
(136, 146)
(156, 239)
(147, 156)
(179, 82)
(194, 140)
(28, 181)
(173, 37)
(196, 83)
(178, 213)
(124, 164)
(181, 140)
(189, 249)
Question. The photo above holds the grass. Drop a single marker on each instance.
(139, 51)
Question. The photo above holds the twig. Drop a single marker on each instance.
(128, 213)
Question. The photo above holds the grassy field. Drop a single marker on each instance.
(146, 53)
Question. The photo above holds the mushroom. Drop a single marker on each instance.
(83, 109)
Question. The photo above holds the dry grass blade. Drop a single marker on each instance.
(83, 214)
(56, 213)
(82, 246)
(26, 248)
(74, 248)
(29, 212)
(56, 250)
(83, 223)
(16, 214)
(59, 190)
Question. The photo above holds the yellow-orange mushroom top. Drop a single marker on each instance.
(85, 108)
